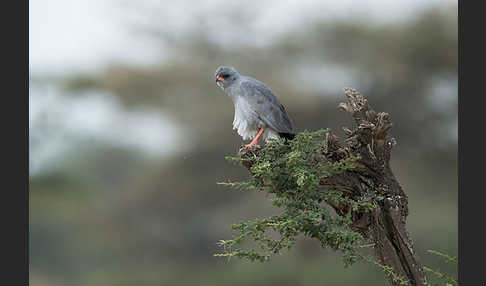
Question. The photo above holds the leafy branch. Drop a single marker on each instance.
(447, 279)
(291, 173)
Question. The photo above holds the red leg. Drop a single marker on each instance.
(255, 140)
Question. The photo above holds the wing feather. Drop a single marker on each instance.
(267, 106)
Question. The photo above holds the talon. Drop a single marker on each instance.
(250, 145)
(254, 142)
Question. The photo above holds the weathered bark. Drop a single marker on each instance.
(373, 179)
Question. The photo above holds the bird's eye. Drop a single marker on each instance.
(225, 76)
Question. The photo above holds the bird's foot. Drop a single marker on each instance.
(249, 146)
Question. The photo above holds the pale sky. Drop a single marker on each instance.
(83, 35)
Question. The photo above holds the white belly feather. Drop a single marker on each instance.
(247, 123)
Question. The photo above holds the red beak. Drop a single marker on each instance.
(219, 78)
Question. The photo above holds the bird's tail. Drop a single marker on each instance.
(288, 136)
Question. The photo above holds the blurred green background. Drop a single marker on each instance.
(126, 148)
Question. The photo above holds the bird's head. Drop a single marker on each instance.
(225, 76)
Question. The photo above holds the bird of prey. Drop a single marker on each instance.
(258, 112)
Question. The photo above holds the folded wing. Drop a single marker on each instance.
(267, 106)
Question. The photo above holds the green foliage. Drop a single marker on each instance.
(446, 257)
(293, 173)
(447, 279)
